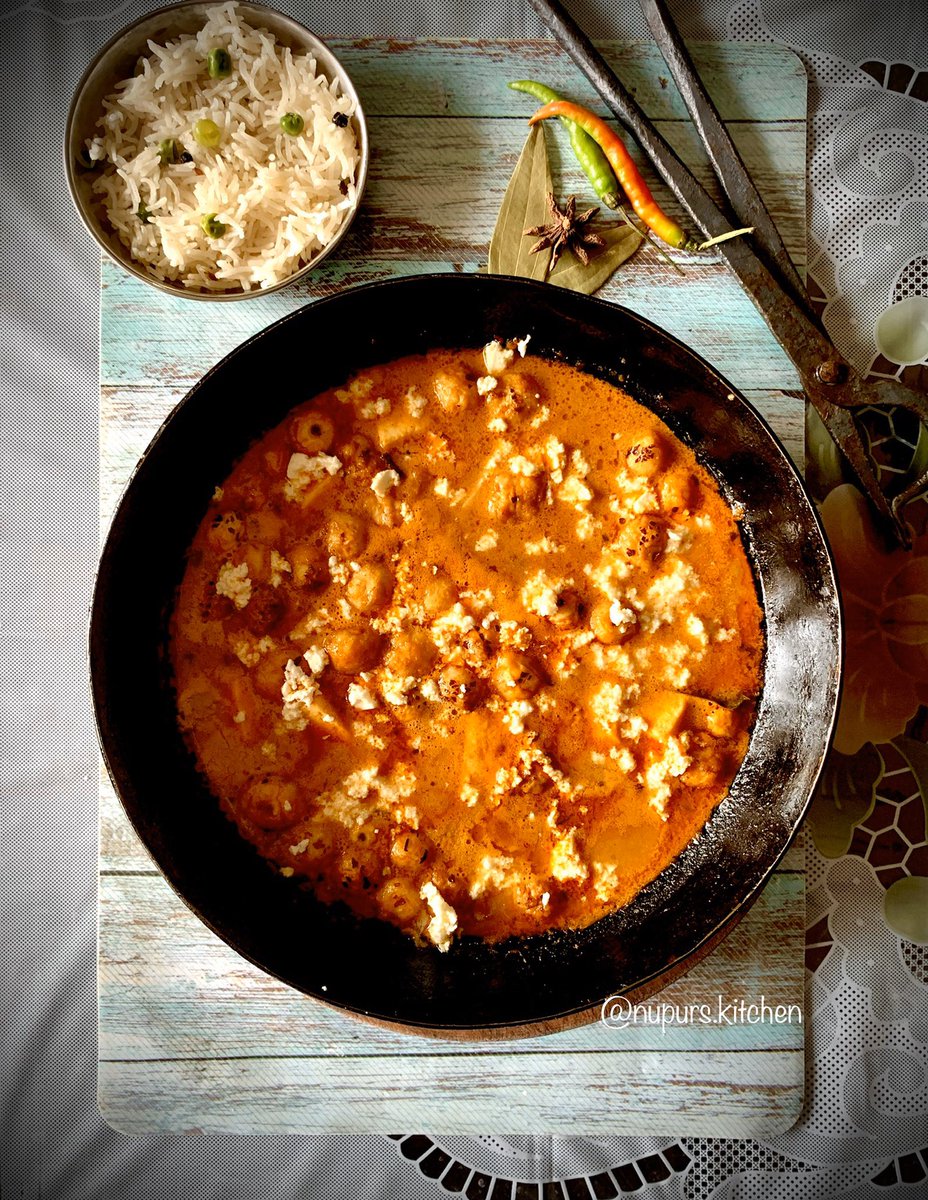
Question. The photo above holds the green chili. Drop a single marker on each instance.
(143, 212)
(637, 191)
(219, 64)
(292, 124)
(212, 226)
(207, 133)
(589, 155)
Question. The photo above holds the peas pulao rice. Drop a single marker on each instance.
(203, 179)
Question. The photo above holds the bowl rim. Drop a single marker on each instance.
(251, 9)
(830, 604)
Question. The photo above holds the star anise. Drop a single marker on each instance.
(566, 229)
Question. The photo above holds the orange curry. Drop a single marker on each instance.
(470, 644)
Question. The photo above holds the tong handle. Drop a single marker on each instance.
(727, 163)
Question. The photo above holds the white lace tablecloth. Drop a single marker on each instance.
(863, 1130)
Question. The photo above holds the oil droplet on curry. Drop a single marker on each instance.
(470, 644)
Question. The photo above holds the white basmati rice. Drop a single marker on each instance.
(281, 198)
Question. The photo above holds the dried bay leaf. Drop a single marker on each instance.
(621, 243)
(523, 206)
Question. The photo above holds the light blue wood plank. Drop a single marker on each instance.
(711, 314)
(169, 988)
(748, 83)
(755, 1095)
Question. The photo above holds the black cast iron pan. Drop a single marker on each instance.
(368, 967)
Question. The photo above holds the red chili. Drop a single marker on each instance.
(628, 175)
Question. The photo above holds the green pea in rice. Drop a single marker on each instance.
(282, 198)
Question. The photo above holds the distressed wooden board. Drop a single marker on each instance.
(194, 1038)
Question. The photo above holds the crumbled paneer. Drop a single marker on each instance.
(632, 726)
(469, 795)
(605, 879)
(338, 570)
(361, 697)
(497, 425)
(539, 594)
(444, 922)
(522, 345)
(428, 690)
(316, 659)
(607, 705)
(279, 568)
(376, 408)
(383, 481)
(486, 541)
(624, 757)
(408, 815)
(515, 714)
(351, 804)
(441, 486)
(586, 526)
(299, 692)
(566, 862)
(671, 765)
(574, 491)
(394, 688)
(696, 629)
(556, 454)
(249, 651)
(621, 617)
(665, 595)
(497, 357)
(357, 389)
(544, 545)
(486, 384)
(520, 465)
(578, 464)
(679, 539)
(359, 783)
(636, 494)
(416, 402)
(514, 635)
(234, 583)
(493, 871)
(451, 625)
(304, 469)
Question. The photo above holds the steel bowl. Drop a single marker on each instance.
(117, 60)
(367, 967)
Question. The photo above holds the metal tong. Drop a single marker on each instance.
(760, 262)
